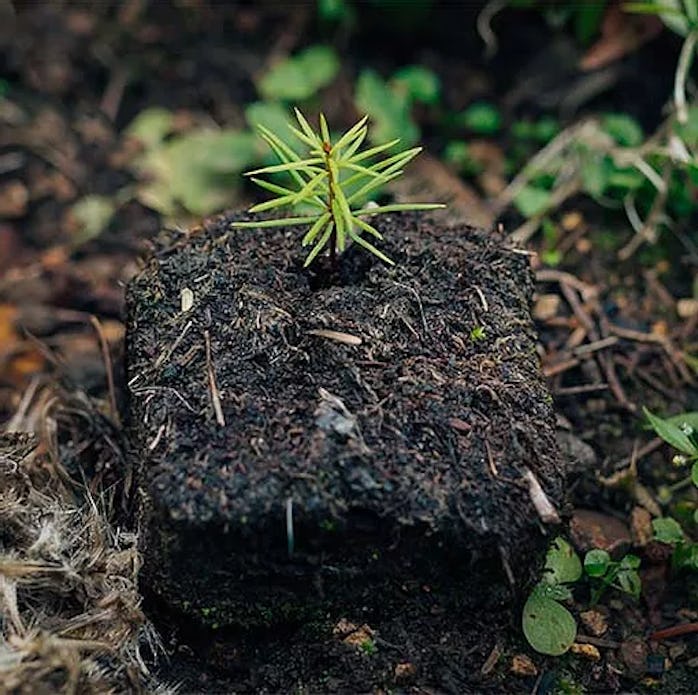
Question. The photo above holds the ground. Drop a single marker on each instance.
(611, 338)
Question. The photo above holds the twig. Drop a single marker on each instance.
(215, 394)
(685, 59)
(675, 631)
(564, 191)
(543, 506)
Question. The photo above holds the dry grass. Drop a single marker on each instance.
(70, 609)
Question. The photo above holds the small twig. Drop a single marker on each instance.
(490, 459)
(337, 336)
(585, 388)
(564, 191)
(682, 68)
(166, 354)
(106, 358)
(675, 631)
(543, 506)
(215, 394)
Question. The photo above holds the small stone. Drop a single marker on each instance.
(686, 308)
(522, 665)
(641, 526)
(13, 199)
(404, 672)
(595, 622)
(692, 662)
(657, 665)
(571, 220)
(586, 651)
(590, 529)
(634, 653)
(355, 636)
(546, 307)
(676, 651)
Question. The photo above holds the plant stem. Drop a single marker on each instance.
(326, 146)
(685, 59)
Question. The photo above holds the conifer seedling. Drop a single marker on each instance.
(335, 178)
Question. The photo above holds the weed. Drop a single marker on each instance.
(548, 626)
(681, 433)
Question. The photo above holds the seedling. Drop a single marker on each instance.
(334, 178)
(548, 626)
(680, 432)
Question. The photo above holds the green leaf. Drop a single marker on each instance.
(630, 561)
(151, 126)
(685, 556)
(587, 19)
(548, 626)
(388, 110)
(417, 83)
(596, 562)
(92, 213)
(624, 129)
(629, 582)
(301, 76)
(595, 171)
(694, 474)
(531, 201)
(680, 18)
(690, 418)
(670, 431)
(271, 115)
(562, 564)
(667, 530)
(482, 118)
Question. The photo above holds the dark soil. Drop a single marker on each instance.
(404, 456)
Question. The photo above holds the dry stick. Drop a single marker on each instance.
(106, 358)
(646, 231)
(549, 152)
(215, 394)
(676, 631)
(564, 191)
(668, 347)
(585, 388)
(560, 276)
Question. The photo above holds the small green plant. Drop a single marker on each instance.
(368, 647)
(605, 572)
(548, 626)
(332, 181)
(680, 432)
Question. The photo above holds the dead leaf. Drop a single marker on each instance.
(621, 33)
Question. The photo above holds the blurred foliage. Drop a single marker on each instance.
(300, 77)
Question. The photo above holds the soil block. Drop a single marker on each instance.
(308, 443)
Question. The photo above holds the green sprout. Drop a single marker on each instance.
(335, 178)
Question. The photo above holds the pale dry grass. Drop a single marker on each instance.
(70, 608)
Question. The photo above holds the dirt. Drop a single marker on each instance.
(404, 456)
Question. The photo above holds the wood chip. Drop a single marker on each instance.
(522, 665)
(587, 651)
(186, 299)
(687, 308)
(337, 336)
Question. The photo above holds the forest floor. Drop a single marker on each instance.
(613, 325)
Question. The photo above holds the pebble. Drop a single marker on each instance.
(404, 672)
(586, 651)
(522, 665)
(595, 622)
(590, 529)
(641, 526)
(634, 653)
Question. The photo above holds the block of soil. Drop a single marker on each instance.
(305, 445)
